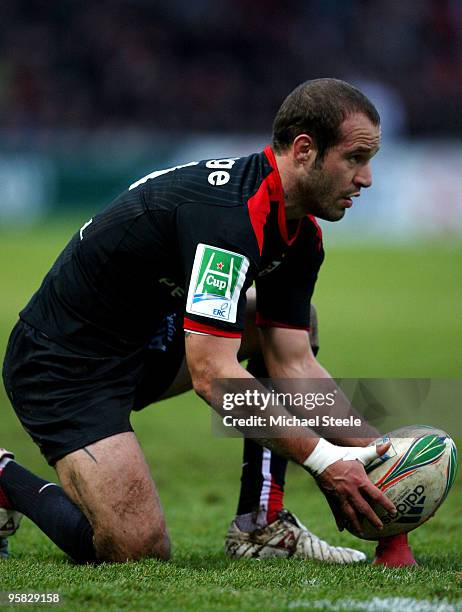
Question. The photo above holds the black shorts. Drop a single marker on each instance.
(66, 400)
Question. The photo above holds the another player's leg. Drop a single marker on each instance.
(107, 509)
(261, 496)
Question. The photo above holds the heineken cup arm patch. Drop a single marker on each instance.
(216, 281)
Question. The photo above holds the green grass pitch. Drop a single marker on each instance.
(383, 312)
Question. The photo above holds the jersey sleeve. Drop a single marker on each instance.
(218, 252)
(284, 294)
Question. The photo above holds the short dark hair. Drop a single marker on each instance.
(318, 108)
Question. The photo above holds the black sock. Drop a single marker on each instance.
(255, 474)
(50, 509)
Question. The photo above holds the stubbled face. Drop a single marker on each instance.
(328, 186)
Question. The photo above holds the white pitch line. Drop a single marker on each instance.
(378, 604)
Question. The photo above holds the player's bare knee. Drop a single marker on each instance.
(154, 544)
(160, 547)
(142, 532)
(132, 546)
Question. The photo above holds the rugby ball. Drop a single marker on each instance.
(416, 474)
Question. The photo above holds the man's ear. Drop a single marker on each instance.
(304, 149)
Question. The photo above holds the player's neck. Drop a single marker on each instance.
(290, 186)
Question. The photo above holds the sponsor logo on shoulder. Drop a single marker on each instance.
(216, 282)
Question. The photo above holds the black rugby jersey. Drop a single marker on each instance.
(190, 239)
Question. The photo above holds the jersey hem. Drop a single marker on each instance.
(194, 326)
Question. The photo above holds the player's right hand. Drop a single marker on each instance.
(349, 493)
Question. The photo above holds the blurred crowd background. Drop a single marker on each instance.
(222, 66)
(119, 82)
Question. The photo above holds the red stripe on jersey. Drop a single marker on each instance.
(259, 207)
(276, 192)
(190, 325)
(262, 321)
(282, 222)
(318, 230)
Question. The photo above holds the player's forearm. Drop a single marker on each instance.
(295, 443)
(309, 376)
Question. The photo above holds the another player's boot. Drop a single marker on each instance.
(286, 537)
(9, 518)
(394, 551)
